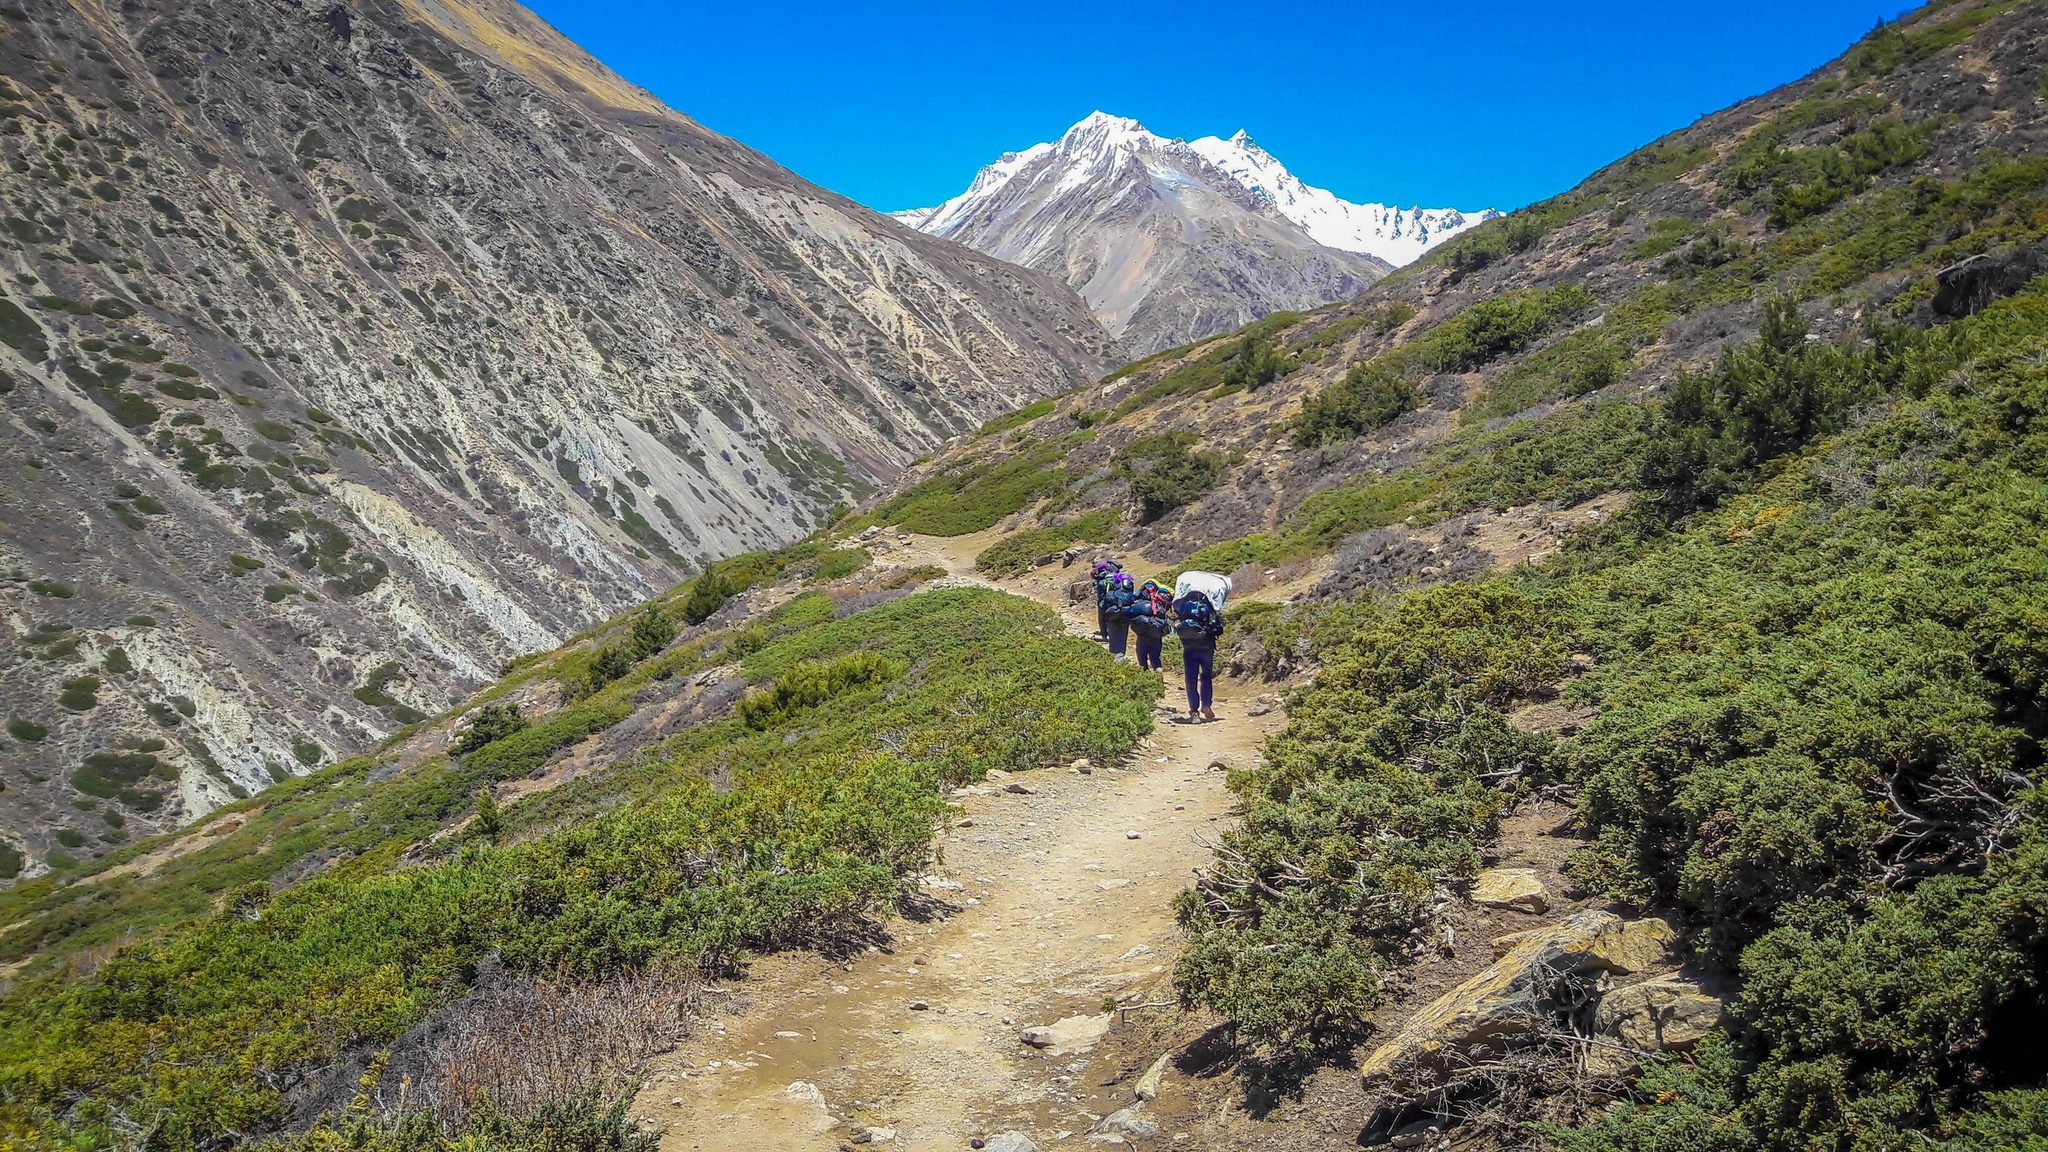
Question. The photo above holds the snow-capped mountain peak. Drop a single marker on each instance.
(1094, 147)
(1170, 240)
(1393, 234)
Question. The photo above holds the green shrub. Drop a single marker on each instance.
(306, 752)
(27, 731)
(1368, 802)
(841, 562)
(1022, 415)
(708, 593)
(1167, 471)
(1013, 554)
(808, 685)
(1253, 363)
(1368, 396)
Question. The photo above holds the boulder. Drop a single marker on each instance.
(1966, 288)
(1009, 1142)
(1148, 1084)
(1513, 998)
(1666, 1014)
(1127, 1122)
(1637, 946)
(1073, 1034)
(1517, 888)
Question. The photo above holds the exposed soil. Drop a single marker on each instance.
(1044, 906)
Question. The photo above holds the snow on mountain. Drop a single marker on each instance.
(1092, 149)
(1164, 243)
(1393, 234)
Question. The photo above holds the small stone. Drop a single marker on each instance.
(1127, 1122)
(1261, 710)
(789, 1035)
(1516, 888)
(1084, 770)
(1148, 1084)
(1083, 762)
(1130, 835)
(1009, 1142)
(1218, 766)
(919, 1006)
(963, 823)
(1016, 788)
(1073, 1034)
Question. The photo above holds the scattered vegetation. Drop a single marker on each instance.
(1013, 554)
(828, 786)
(1167, 470)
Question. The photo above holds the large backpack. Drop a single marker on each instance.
(1105, 572)
(1150, 609)
(1120, 592)
(1196, 620)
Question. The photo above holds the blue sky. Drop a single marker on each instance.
(1491, 103)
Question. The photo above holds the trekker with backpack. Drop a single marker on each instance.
(1116, 606)
(1151, 616)
(1101, 573)
(1199, 624)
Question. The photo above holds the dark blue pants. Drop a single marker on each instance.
(1200, 666)
(1149, 651)
(1119, 633)
(1102, 619)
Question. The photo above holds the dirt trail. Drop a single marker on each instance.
(1052, 902)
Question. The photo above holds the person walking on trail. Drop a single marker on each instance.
(1101, 573)
(1198, 623)
(1151, 616)
(1117, 612)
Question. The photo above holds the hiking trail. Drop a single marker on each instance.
(1052, 902)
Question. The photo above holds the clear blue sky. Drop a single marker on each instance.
(1490, 103)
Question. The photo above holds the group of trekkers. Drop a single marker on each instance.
(1128, 613)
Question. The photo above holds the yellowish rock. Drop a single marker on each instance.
(1637, 946)
(1667, 1014)
(1517, 888)
(1509, 999)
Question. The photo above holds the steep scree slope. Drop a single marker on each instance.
(353, 348)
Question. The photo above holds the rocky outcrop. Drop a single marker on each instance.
(1665, 1014)
(351, 349)
(1520, 996)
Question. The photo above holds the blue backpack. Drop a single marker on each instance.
(1197, 621)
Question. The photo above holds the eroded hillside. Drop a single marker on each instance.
(353, 349)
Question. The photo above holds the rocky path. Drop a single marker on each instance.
(1054, 904)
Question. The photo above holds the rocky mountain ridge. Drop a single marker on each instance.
(1171, 241)
(353, 349)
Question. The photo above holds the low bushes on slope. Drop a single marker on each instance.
(1819, 746)
(1013, 554)
(792, 823)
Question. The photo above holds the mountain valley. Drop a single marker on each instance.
(353, 351)
(1631, 703)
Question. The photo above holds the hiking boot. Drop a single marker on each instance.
(1208, 714)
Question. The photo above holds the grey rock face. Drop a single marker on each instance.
(349, 350)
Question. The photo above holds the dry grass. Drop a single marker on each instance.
(520, 1041)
